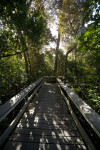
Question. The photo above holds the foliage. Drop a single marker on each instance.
(12, 77)
(89, 45)
(79, 23)
(23, 33)
(84, 78)
(89, 42)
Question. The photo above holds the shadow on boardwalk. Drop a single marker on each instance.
(46, 125)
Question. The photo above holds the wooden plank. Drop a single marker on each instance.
(6, 108)
(47, 116)
(11, 145)
(89, 114)
(15, 146)
(50, 121)
(51, 125)
(46, 139)
(8, 131)
(53, 129)
(50, 112)
(48, 132)
(56, 146)
(46, 126)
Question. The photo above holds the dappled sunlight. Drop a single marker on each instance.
(36, 119)
(58, 147)
(42, 147)
(53, 135)
(20, 125)
(64, 86)
(31, 133)
(49, 39)
(71, 93)
(37, 102)
(31, 111)
(50, 91)
(19, 147)
(86, 108)
(46, 125)
(54, 122)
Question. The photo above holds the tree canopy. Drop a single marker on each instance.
(25, 33)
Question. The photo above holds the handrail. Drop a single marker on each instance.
(92, 118)
(6, 108)
(90, 115)
(37, 84)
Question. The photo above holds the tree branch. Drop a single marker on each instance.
(9, 82)
(12, 54)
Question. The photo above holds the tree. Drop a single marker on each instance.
(28, 23)
(71, 23)
(56, 56)
(23, 32)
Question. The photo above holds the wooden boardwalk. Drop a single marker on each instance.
(46, 125)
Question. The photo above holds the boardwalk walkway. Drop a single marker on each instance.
(46, 125)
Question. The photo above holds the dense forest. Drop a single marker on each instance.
(25, 36)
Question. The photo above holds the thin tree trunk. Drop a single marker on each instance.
(30, 68)
(26, 65)
(76, 65)
(56, 58)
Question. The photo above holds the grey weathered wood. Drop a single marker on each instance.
(6, 108)
(8, 131)
(51, 139)
(89, 114)
(83, 133)
(48, 132)
(11, 145)
(50, 128)
(28, 125)
(64, 122)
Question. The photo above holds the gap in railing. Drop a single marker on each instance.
(88, 129)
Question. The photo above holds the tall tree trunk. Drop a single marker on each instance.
(24, 49)
(66, 58)
(26, 61)
(56, 58)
